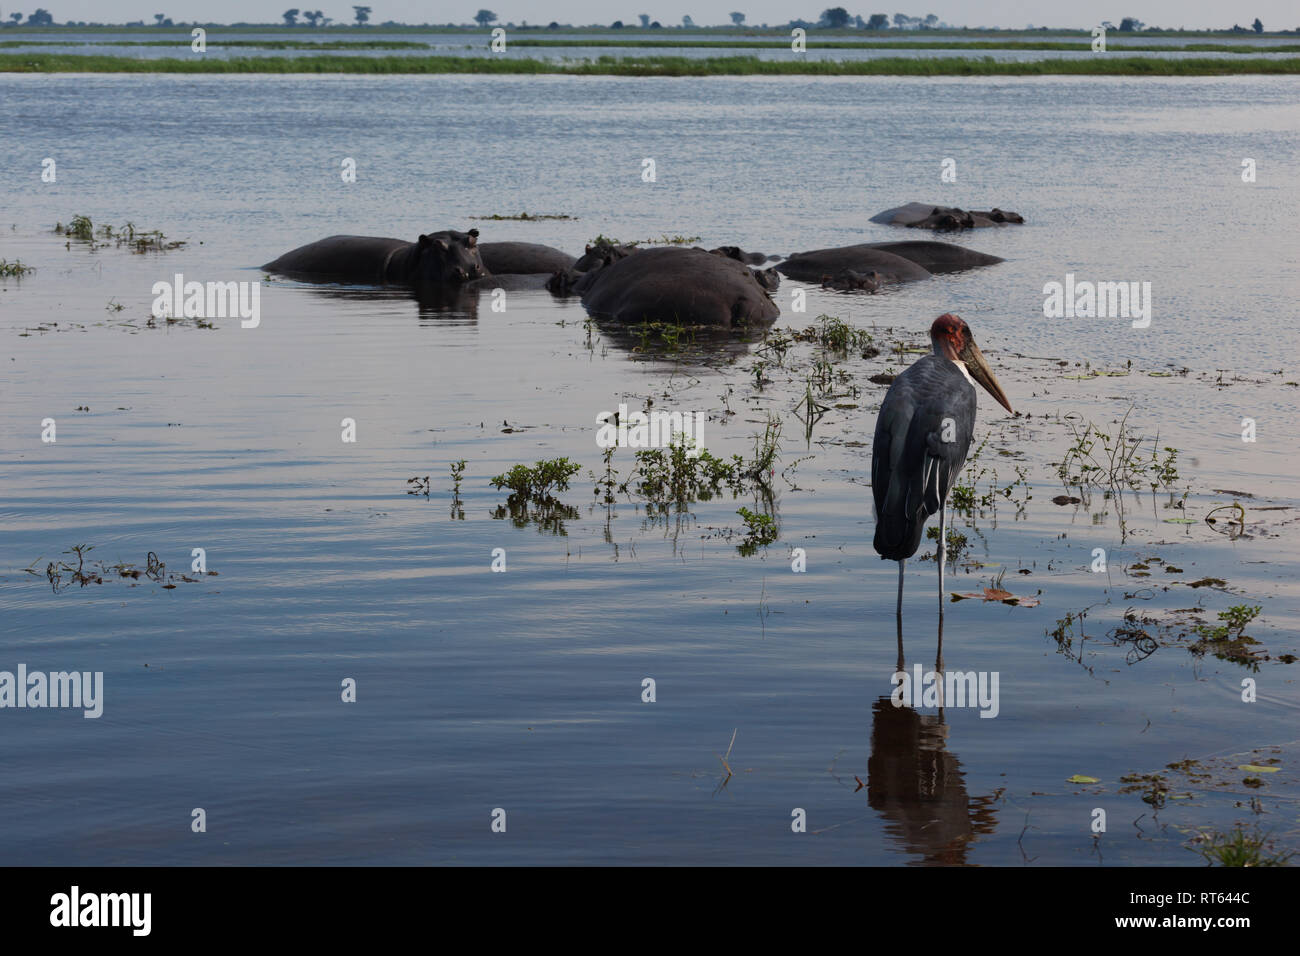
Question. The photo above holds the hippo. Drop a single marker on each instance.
(602, 253)
(812, 266)
(597, 255)
(562, 281)
(769, 279)
(523, 258)
(847, 280)
(680, 286)
(740, 255)
(920, 215)
(937, 256)
(998, 216)
(446, 256)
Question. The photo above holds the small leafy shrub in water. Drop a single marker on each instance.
(673, 474)
(836, 335)
(13, 269)
(538, 482)
(760, 531)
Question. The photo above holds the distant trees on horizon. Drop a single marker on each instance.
(834, 18)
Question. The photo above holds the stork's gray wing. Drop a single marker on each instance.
(923, 434)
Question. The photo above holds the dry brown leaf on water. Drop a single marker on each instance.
(996, 594)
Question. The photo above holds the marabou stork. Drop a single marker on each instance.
(923, 433)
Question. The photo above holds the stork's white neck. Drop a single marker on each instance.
(962, 367)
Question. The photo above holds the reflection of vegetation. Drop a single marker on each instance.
(531, 501)
(62, 574)
(1228, 641)
(1139, 642)
(1141, 635)
(760, 531)
(546, 513)
(457, 473)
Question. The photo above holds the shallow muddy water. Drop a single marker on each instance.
(523, 690)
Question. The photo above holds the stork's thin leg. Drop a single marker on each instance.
(899, 623)
(943, 549)
(938, 667)
(938, 654)
(900, 589)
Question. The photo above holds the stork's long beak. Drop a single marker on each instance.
(980, 371)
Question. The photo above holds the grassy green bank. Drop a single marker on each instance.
(1075, 46)
(1081, 45)
(652, 66)
(253, 44)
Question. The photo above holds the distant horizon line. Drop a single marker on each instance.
(632, 28)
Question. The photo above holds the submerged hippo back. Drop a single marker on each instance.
(937, 256)
(356, 258)
(523, 258)
(812, 266)
(678, 286)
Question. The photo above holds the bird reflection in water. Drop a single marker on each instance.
(918, 786)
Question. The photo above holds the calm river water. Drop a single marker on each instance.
(523, 691)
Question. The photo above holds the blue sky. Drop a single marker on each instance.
(1193, 14)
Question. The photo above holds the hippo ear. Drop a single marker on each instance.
(472, 239)
(424, 241)
(588, 247)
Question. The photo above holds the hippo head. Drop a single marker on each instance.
(769, 279)
(998, 215)
(563, 281)
(949, 219)
(601, 253)
(449, 257)
(847, 280)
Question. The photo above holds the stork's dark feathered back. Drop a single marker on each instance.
(923, 435)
